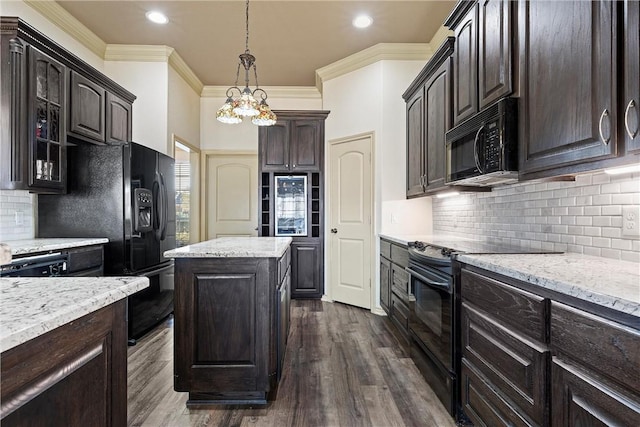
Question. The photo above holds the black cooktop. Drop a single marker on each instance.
(444, 253)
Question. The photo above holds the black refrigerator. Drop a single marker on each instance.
(125, 193)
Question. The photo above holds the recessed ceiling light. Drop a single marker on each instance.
(157, 17)
(362, 21)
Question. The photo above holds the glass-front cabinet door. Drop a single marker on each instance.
(46, 135)
(291, 206)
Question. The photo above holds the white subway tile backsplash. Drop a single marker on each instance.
(12, 201)
(584, 216)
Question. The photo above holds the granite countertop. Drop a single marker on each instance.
(30, 307)
(30, 246)
(607, 282)
(234, 247)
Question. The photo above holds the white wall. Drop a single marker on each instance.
(183, 110)
(149, 82)
(48, 28)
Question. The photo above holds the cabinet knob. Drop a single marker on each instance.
(294, 165)
(632, 104)
(334, 230)
(286, 165)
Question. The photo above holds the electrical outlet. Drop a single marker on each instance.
(631, 221)
(394, 219)
(19, 217)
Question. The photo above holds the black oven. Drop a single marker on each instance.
(431, 322)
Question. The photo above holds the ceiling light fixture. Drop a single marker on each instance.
(245, 103)
(362, 21)
(157, 17)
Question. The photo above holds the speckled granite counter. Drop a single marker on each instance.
(234, 247)
(610, 283)
(30, 307)
(29, 246)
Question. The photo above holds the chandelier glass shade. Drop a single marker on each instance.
(243, 103)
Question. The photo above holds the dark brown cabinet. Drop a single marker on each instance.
(228, 330)
(595, 376)
(505, 360)
(294, 146)
(98, 115)
(74, 375)
(568, 113)
(631, 94)
(428, 101)
(395, 292)
(33, 131)
(483, 56)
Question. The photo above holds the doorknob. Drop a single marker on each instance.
(334, 230)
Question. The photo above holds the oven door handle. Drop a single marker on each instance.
(445, 286)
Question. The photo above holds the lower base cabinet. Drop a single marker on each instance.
(74, 375)
(228, 343)
(306, 269)
(395, 292)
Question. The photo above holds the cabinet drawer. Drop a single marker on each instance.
(522, 310)
(482, 404)
(84, 258)
(400, 281)
(400, 313)
(513, 364)
(600, 344)
(385, 249)
(400, 255)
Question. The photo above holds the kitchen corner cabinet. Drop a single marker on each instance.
(568, 116)
(534, 357)
(428, 119)
(75, 374)
(231, 326)
(294, 146)
(483, 57)
(395, 292)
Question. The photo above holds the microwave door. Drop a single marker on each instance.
(461, 158)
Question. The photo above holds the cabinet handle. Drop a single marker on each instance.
(475, 149)
(604, 114)
(632, 104)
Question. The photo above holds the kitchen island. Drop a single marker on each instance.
(231, 318)
(63, 345)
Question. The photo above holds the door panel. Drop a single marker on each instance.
(350, 217)
(232, 195)
(465, 96)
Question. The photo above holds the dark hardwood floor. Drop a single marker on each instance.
(344, 367)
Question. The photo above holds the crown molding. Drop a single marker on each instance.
(379, 52)
(154, 53)
(70, 25)
(440, 37)
(287, 92)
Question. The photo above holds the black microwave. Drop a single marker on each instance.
(483, 150)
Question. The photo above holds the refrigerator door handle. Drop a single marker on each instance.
(165, 207)
(158, 206)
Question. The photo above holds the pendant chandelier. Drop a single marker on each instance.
(244, 104)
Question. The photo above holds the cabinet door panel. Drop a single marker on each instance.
(582, 400)
(306, 259)
(631, 98)
(465, 94)
(437, 123)
(87, 108)
(494, 51)
(568, 113)
(415, 167)
(119, 120)
(385, 284)
(305, 146)
(275, 147)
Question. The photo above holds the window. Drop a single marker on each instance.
(187, 205)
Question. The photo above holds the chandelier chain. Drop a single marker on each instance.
(246, 46)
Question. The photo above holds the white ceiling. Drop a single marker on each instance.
(290, 39)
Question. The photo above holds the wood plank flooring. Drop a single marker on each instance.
(344, 367)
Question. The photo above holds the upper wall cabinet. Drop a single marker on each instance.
(568, 82)
(483, 57)
(428, 101)
(40, 82)
(631, 94)
(293, 144)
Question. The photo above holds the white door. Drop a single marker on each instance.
(231, 195)
(350, 227)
